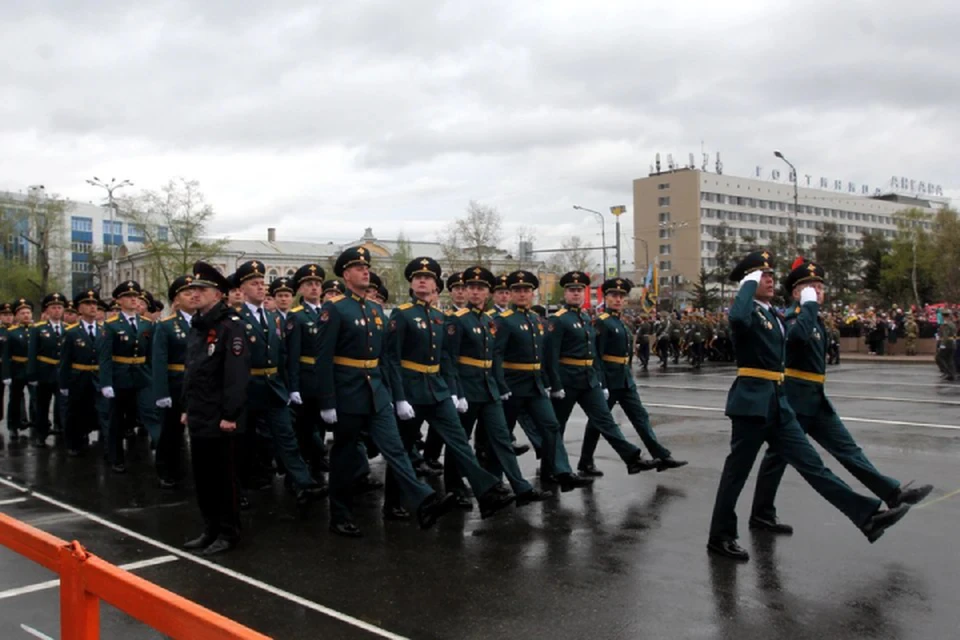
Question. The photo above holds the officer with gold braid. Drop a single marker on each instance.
(43, 365)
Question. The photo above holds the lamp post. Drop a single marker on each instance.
(110, 187)
(617, 211)
(796, 208)
(646, 253)
(603, 233)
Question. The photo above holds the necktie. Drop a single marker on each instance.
(133, 323)
(90, 330)
(263, 320)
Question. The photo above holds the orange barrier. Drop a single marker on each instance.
(86, 579)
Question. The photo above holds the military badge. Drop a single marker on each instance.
(393, 325)
(452, 329)
(324, 316)
(290, 325)
(237, 346)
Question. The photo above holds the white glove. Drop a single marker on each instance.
(558, 395)
(295, 397)
(753, 276)
(456, 400)
(329, 416)
(32, 384)
(606, 394)
(65, 392)
(165, 403)
(506, 396)
(462, 406)
(405, 410)
(107, 392)
(7, 382)
(808, 294)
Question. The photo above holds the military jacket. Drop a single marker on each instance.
(169, 356)
(695, 333)
(16, 352)
(806, 353)
(416, 364)
(352, 377)
(470, 348)
(571, 357)
(266, 347)
(44, 353)
(911, 328)
(80, 357)
(125, 353)
(758, 343)
(303, 348)
(518, 353)
(615, 348)
(947, 333)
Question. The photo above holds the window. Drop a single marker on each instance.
(81, 224)
(272, 275)
(665, 249)
(663, 201)
(664, 265)
(81, 267)
(663, 185)
(664, 233)
(163, 234)
(135, 232)
(664, 216)
(707, 213)
(81, 247)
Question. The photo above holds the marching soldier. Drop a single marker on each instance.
(355, 397)
(946, 346)
(6, 319)
(912, 331)
(15, 358)
(501, 295)
(664, 329)
(332, 289)
(420, 376)
(214, 393)
(613, 348)
(804, 385)
(43, 363)
(235, 297)
(282, 292)
(695, 337)
(758, 408)
(575, 376)
(70, 314)
(168, 362)
(79, 380)
(518, 358)
(644, 331)
(458, 290)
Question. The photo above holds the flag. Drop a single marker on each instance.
(648, 298)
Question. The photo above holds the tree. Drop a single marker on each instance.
(172, 222)
(575, 258)
(946, 247)
(726, 255)
(473, 238)
(830, 252)
(392, 275)
(34, 231)
(703, 296)
(874, 245)
(907, 268)
(748, 243)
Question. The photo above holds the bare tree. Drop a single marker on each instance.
(575, 257)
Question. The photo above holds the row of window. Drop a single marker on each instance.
(824, 212)
(135, 232)
(663, 185)
(663, 201)
(801, 224)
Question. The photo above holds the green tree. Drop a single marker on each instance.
(392, 273)
(703, 296)
(726, 255)
(946, 247)
(33, 229)
(908, 267)
(830, 251)
(874, 246)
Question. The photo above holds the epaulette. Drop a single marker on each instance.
(170, 317)
(40, 324)
(461, 312)
(447, 313)
(71, 326)
(113, 319)
(559, 312)
(337, 298)
(604, 316)
(405, 306)
(491, 312)
(297, 308)
(506, 314)
(236, 318)
(146, 318)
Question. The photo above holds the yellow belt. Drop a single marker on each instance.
(308, 360)
(473, 362)
(616, 359)
(47, 360)
(356, 364)
(806, 375)
(765, 374)
(176, 367)
(522, 366)
(126, 360)
(264, 372)
(576, 363)
(421, 368)
(85, 367)
(18, 358)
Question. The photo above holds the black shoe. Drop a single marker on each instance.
(502, 489)
(728, 549)
(303, 501)
(462, 502)
(534, 495)
(903, 495)
(433, 463)
(321, 465)
(200, 542)
(571, 481)
(37, 443)
(493, 501)
(771, 525)
(220, 545)
(366, 484)
(639, 463)
(520, 449)
(426, 471)
(74, 453)
(879, 522)
(118, 468)
(395, 513)
(434, 508)
(317, 491)
(346, 529)
(166, 483)
(589, 471)
(669, 463)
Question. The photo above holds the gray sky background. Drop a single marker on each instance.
(321, 118)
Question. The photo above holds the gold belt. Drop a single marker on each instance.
(573, 362)
(18, 358)
(616, 359)
(765, 374)
(126, 360)
(420, 368)
(308, 360)
(85, 367)
(474, 362)
(176, 367)
(522, 366)
(47, 360)
(269, 371)
(356, 364)
(819, 378)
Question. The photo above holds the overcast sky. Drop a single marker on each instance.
(321, 118)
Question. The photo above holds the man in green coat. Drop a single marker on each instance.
(43, 364)
(79, 378)
(16, 352)
(947, 346)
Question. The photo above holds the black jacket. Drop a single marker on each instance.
(217, 371)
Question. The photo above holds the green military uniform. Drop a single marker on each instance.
(79, 378)
(664, 329)
(644, 331)
(16, 356)
(303, 347)
(946, 347)
(695, 335)
(912, 331)
(42, 369)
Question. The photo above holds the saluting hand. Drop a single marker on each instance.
(228, 426)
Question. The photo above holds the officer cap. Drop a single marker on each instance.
(422, 266)
(70, 306)
(334, 285)
(206, 276)
(178, 285)
(574, 279)
(156, 306)
(540, 310)
(22, 303)
(617, 285)
(248, 270)
(502, 281)
(280, 285)
(455, 279)
(377, 283)
(479, 275)
(6, 307)
(802, 271)
(127, 288)
(761, 260)
(88, 295)
(308, 272)
(53, 298)
(521, 279)
(148, 298)
(351, 257)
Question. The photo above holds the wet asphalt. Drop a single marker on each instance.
(625, 559)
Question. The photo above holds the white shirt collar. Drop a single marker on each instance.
(255, 310)
(186, 316)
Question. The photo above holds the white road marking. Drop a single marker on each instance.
(4, 503)
(730, 375)
(34, 632)
(236, 575)
(831, 395)
(53, 584)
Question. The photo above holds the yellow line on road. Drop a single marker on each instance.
(940, 499)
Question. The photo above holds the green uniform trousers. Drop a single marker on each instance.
(629, 401)
(598, 416)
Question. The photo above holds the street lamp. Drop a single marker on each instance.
(646, 253)
(796, 208)
(603, 233)
(110, 187)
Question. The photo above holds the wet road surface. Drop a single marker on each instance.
(623, 560)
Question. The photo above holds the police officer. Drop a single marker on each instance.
(282, 291)
(214, 394)
(79, 377)
(169, 365)
(804, 384)
(42, 366)
(614, 348)
(758, 408)
(15, 359)
(420, 377)
(575, 376)
(517, 361)
(235, 297)
(355, 397)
